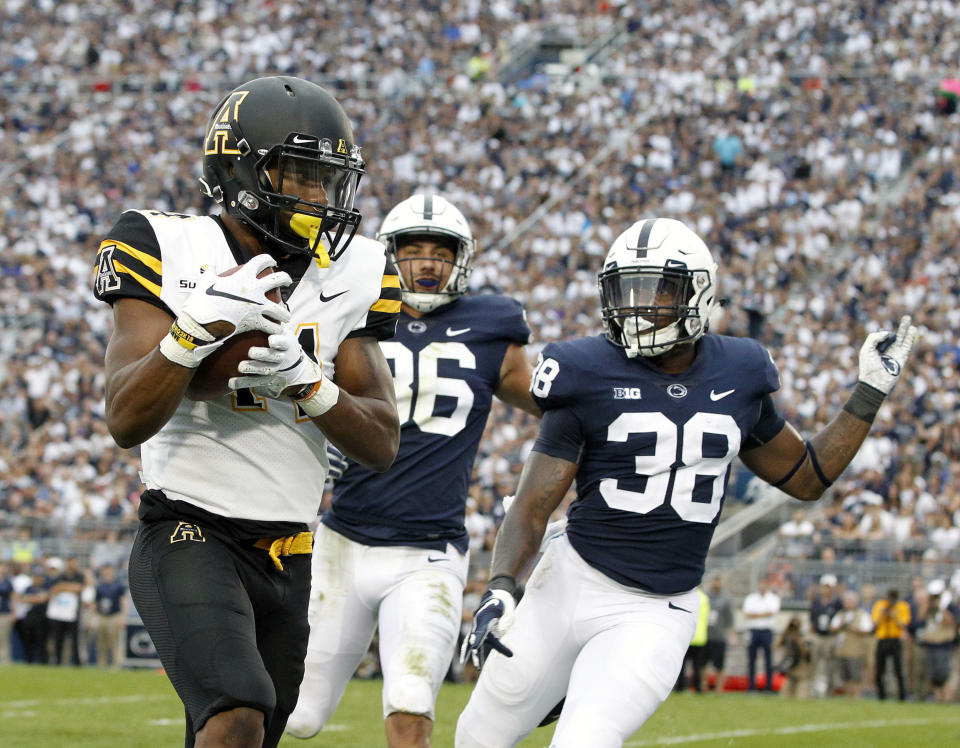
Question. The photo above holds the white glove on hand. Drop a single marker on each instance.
(883, 356)
(282, 366)
(230, 305)
(240, 300)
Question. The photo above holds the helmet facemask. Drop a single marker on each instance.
(304, 201)
(456, 282)
(649, 310)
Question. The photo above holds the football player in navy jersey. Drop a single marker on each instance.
(647, 418)
(392, 550)
(220, 569)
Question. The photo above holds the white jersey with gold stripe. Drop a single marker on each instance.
(241, 455)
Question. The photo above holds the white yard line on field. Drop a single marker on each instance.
(178, 722)
(29, 703)
(787, 730)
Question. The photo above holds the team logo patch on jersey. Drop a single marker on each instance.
(626, 393)
(416, 326)
(677, 391)
(187, 531)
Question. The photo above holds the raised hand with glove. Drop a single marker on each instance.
(229, 305)
(283, 369)
(882, 358)
(491, 621)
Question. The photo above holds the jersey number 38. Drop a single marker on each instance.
(677, 469)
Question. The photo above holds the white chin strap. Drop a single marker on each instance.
(642, 344)
(426, 302)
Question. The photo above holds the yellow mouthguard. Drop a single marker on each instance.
(308, 227)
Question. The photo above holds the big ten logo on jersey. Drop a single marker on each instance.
(187, 531)
(626, 393)
(218, 140)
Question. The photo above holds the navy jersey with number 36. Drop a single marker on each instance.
(654, 450)
(446, 366)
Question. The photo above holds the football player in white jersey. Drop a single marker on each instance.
(392, 550)
(220, 568)
(647, 418)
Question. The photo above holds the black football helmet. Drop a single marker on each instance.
(279, 155)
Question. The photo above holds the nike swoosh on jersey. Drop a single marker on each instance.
(677, 607)
(432, 560)
(720, 395)
(331, 297)
(213, 292)
(453, 333)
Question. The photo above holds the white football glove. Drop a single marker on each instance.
(883, 356)
(282, 369)
(230, 305)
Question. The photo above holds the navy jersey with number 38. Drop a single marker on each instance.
(654, 450)
(446, 366)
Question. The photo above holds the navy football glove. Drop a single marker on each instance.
(492, 619)
(338, 463)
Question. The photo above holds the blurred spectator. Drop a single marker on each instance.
(760, 609)
(938, 635)
(794, 661)
(797, 534)
(823, 608)
(891, 615)
(6, 613)
(111, 617)
(854, 633)
(33, 623)
(63, 608)
(720, 631)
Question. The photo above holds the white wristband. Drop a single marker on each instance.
(182, 353)
(187, 343)
(320, 399)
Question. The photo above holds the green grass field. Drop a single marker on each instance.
(49, 707)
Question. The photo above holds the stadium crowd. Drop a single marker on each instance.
(804, 144)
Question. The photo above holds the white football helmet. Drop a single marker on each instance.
(658, 287)
(435, 217)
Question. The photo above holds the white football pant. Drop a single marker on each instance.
(415, 596)
(613, 651)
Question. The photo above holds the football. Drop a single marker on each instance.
(210, 380)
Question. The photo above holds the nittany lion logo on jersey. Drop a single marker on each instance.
(187, 531)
